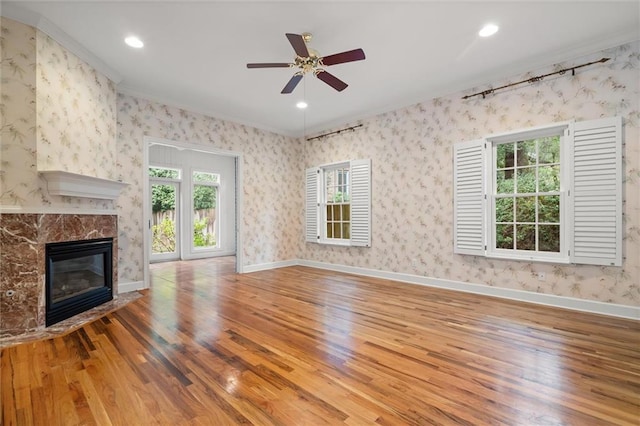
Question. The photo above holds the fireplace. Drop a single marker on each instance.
(23, 241)
(78, 276)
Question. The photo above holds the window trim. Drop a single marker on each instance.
(492, 142)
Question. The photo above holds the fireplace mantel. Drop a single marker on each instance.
(70, 184)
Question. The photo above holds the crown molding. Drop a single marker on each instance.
(39, 22)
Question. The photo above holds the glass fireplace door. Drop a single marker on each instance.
(79, 276)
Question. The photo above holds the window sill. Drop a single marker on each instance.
(345, 243)
(526, 258)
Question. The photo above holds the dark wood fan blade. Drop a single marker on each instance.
(340, 58)
(298, 44)
(269, 65)
(292, 84)
(332, 81)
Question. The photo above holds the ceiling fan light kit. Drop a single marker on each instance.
(309, 61)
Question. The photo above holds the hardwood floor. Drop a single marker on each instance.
(301, 346)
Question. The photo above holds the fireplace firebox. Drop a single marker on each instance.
(79, 276)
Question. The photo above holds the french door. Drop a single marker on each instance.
(205, 223)
(165, 220)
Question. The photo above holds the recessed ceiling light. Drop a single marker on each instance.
(134, 41)
(301, 105)
(488, 30)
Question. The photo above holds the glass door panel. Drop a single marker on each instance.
(205, 223)
(165, 230)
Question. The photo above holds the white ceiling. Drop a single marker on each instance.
(195, 53)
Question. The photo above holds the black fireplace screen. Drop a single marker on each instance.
(79, 276)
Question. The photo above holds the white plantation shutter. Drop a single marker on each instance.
(596, 192)
(311, 205)
(468, 198)
(360, 202)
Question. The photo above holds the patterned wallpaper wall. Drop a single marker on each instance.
(76, 113)
(58, 114)
(272, 173)
(411, 151)
(19, 184)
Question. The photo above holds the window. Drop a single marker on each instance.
(550, 194)
(338, 203)
(164, 172)
(526, 208)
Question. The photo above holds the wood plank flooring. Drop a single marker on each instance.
(301, 346)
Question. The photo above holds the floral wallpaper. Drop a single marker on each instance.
(411, 152)
(58, 114)
(76, 108)
(19, 183)
(272, 171)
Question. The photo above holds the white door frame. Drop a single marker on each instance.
(147, 142)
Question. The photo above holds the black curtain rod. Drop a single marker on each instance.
(535, 79)
(337, 132)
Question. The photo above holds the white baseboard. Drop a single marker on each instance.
(271, 265)
(128, 286)
(592, 306)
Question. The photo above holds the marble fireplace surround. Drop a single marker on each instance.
(22, 261)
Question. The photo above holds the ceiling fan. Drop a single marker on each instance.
(308, 60)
